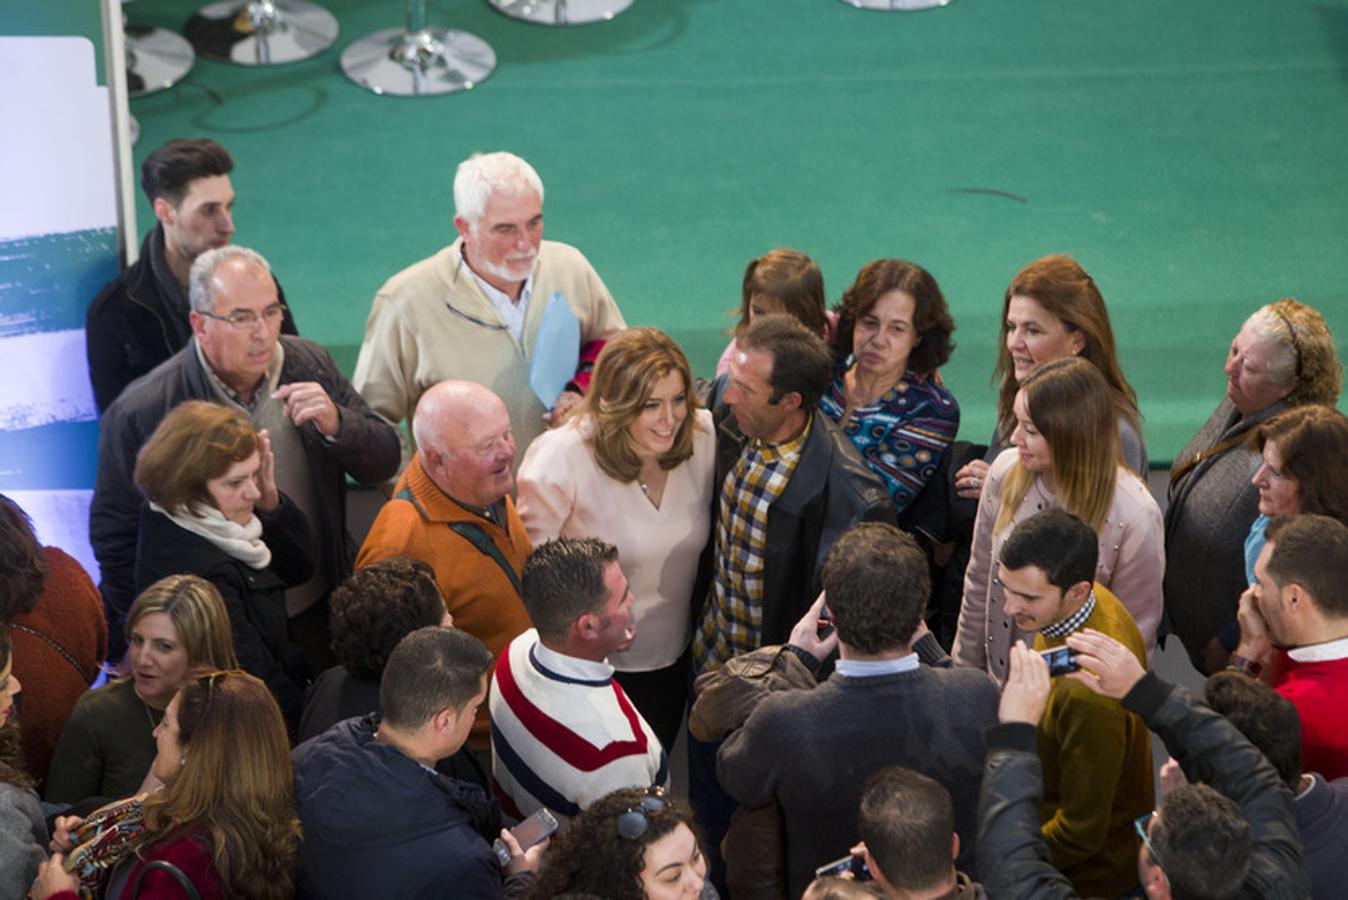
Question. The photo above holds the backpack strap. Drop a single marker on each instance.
(473, 534)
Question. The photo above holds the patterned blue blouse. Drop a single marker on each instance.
(903, 434)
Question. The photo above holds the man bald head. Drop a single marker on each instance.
(463, 434)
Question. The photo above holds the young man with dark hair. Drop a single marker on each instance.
(563, 732)
(1271, 723)
(378, 819)
(1231, 836)
(139, 319)
(1300, 603)
(907, 826)
(811, 751)
(1096, 755)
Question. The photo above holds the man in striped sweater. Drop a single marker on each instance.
(563, 732)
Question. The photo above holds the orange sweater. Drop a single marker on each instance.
(477, 592)
(68, 616)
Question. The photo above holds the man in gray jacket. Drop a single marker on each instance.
(321, 431)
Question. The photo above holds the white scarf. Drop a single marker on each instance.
(243, 542)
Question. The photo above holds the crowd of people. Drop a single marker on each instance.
(908, 666)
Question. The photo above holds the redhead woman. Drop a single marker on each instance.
(213, 509)
(1053, 309)
(1283, 357)
(893, 334)
(106, 747)
(1065, 453)
(781, 281)
(225, 820)
(635, 469)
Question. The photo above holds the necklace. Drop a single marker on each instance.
(149, 715)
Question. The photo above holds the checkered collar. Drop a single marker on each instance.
(771, 453)
(1072, 622)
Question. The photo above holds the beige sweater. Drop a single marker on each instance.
(414, 337)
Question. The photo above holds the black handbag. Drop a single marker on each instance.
(159, 865)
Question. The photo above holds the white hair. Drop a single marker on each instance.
(483, 173)
(204, 269)
(1276, 331)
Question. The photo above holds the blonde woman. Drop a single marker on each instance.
(179, 623)
(1065, 453)
(635, 469)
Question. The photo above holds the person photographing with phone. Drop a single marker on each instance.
(1096, 756)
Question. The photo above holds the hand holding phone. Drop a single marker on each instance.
(527, 833)
(1061, 660)
(851, 866)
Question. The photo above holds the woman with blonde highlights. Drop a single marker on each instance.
(1065, 453)
(1053, 309)
(226, 816)
(1282, 357)
(635, 469)
(177, 624)
(213, 509)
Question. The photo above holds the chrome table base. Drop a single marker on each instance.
(262, 32)
(561, 12)
(419, 63)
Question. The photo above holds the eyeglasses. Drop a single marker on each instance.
(246, 319)
(633, 823)
(1140, 824)
(1296, 345)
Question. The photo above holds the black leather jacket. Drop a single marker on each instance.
(1014, 860)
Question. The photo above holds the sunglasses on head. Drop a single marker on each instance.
(633, 823)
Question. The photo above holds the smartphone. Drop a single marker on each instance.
(1061, 660)
(529, 832)
(841, 866)
(823, 626)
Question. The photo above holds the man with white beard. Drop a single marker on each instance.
(473, 310)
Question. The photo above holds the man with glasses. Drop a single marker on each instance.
(473, 311)
(1232, 835)
(140, 318)
(321, 432)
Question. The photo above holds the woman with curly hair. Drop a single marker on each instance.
(225, 820)
(893, 334)
(635, 469)
(630, 845)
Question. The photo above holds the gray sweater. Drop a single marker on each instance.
(23, 839)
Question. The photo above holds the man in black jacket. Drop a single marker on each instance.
(1233, 835)
(139, 319)
(321, 431)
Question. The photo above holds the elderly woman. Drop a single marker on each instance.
(213, 509)
(225, 820)
(1053, 309)
(629, 845)
(893, 334)
(1283, 357)
(1302, 453)
(781, 281)
(635, 469)
(106, 748)
(1065, 454)
(57, 629)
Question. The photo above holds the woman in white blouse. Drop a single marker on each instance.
(634, 468)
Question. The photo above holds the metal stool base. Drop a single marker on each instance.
(261, 32)
(418, 63)
(897, 5)
(156, 58)
(561, 12)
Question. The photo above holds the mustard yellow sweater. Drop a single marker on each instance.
(1097, 769)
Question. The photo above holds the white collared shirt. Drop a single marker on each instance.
(512, 311)
(870, 668)
(572, 667)
(1326, 652)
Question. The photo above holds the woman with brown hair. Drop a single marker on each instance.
(1065, 454)
(1302, 453)
(213, 509)
(59, 635)
(635, 469)
(1283, 357)
(781, 281)
(893, 334)
(225, 820)
(105, 748)
(1052, 309)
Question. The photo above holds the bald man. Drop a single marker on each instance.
(451, 509)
